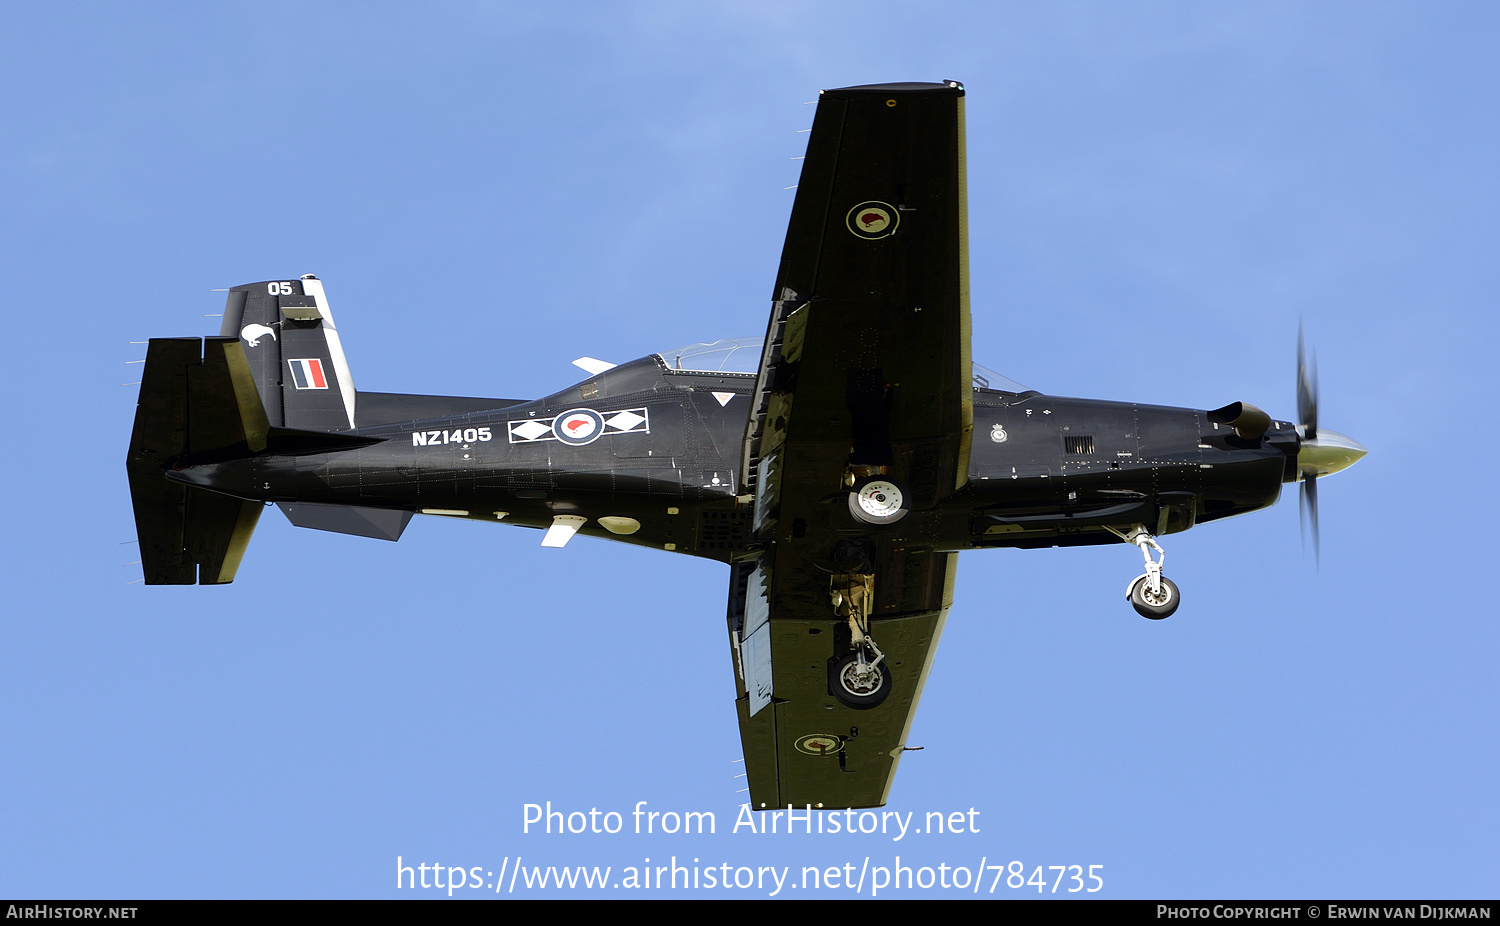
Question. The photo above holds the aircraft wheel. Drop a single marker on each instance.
(1154, 605)
(877, 501)
(851, 690)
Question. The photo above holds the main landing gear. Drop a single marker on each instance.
(1153, 595)
(877, 501)
(859, 679)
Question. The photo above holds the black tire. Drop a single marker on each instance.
(1154, 607)
(850, 695)
(887, 504)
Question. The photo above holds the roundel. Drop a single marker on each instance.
(873, 219)
(819, 744)
(579, 426)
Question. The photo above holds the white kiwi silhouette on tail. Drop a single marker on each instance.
(253, 333)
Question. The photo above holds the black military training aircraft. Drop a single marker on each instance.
(838, 473)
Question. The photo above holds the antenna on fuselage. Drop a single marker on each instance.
(593, 367)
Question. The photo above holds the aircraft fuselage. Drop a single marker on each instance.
(642, 444)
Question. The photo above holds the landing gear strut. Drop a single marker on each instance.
(1153, 595)
(860, 679)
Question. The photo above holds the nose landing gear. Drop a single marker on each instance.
(1154, 603)
(1153, 595)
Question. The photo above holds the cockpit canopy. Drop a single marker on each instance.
(985, 378)
(726, 355)
(742, 355)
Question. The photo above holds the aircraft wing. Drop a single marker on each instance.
(801, 745)
(865, 371)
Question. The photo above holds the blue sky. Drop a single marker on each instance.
(1158, 193)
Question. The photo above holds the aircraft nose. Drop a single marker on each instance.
(1328, 452)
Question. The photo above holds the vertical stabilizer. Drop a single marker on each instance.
(294, 353)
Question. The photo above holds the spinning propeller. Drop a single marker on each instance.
(1322, 452)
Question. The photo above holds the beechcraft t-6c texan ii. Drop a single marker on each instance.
(837, 467)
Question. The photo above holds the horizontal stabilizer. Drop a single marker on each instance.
(216, 532)
(197, 401)
(380, 523)
(191, 536)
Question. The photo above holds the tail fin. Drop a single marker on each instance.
(294, 353)
(197, 402)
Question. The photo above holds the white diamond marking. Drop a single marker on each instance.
(625, 421)
(530, 430)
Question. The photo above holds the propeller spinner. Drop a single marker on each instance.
(1322, 451)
